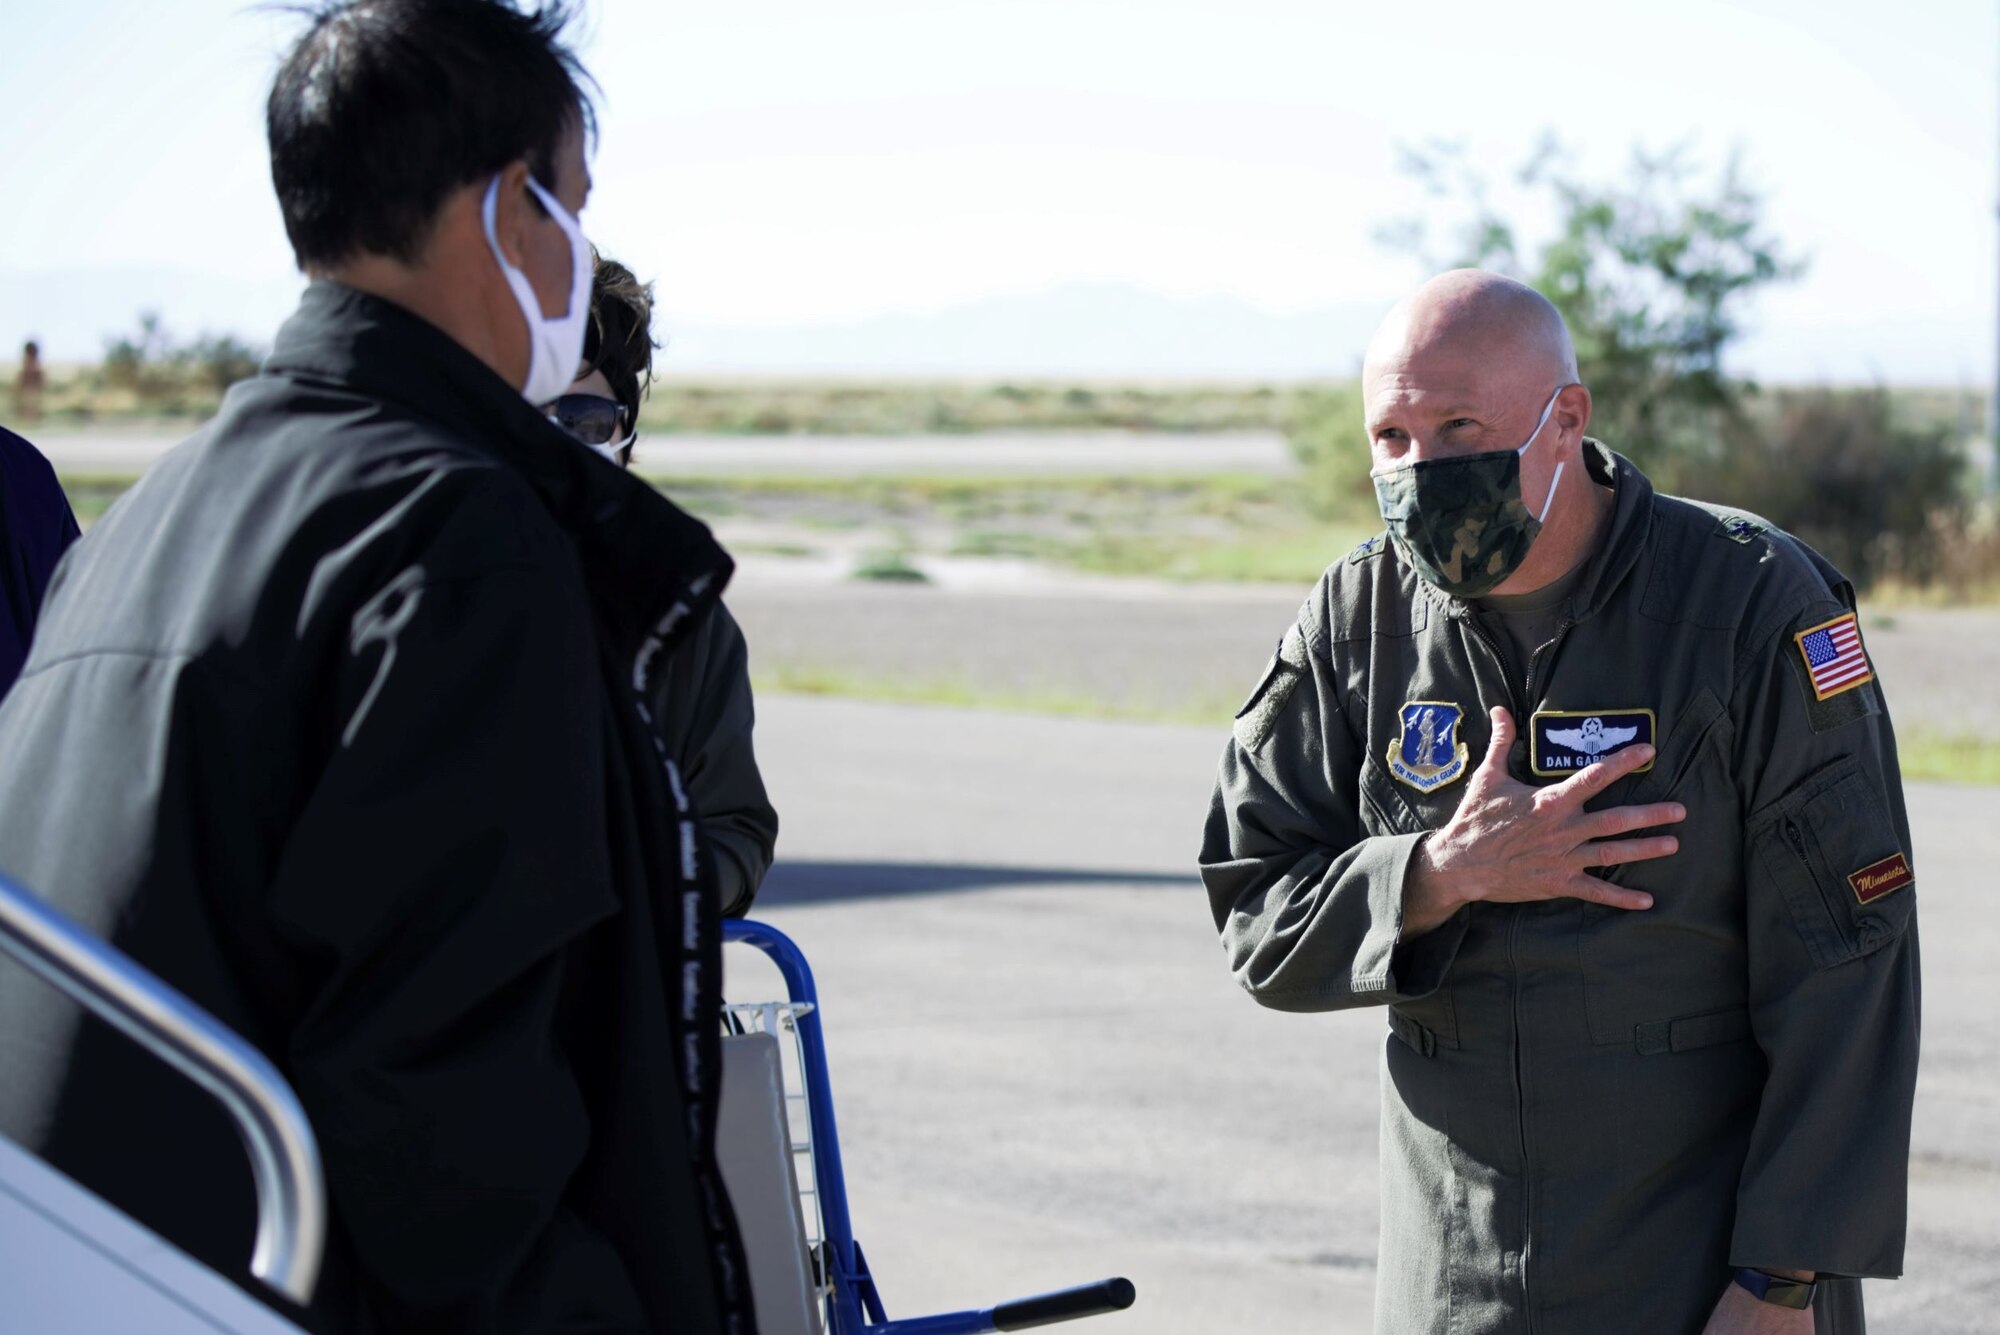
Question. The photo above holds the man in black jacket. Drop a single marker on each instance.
(337, 722)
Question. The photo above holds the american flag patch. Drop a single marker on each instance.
(1834, 656)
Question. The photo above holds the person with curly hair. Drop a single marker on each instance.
(701, 704)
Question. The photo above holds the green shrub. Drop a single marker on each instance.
(889, 568)
(161, 374)
(1876, 496)
(219, 361)
(1329, 439)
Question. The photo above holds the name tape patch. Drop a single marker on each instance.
(1836, 661)
(1563, 741)
(1881, 878)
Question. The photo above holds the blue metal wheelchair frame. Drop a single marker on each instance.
(855, 1306)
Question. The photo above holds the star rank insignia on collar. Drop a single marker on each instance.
(1740, 528)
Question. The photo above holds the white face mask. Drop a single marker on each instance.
(611, 449)
(555, 346)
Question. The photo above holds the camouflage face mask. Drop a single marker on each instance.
(1461, 523)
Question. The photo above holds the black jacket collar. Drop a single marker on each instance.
(642, 554)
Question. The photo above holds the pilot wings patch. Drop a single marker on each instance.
(1563, 741)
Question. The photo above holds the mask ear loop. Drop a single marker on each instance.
(1543, 516)
(1555, 481)
(620, 451)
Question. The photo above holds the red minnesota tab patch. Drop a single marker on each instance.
(1835, 658)
(1880, 878)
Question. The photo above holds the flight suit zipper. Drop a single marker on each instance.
(1523, 718)
(1521, 1119)
(1499, 661)
(1535, 659)
(1514, 967)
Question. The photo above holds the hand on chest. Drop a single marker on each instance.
(1580, 700)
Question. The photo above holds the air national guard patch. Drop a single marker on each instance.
(1428, 755)
(1836, 661)
(1563, 741)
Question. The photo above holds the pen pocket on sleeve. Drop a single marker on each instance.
(1831, 849)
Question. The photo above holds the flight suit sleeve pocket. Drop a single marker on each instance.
(1259, 714)
(1263, 686)
(1830, 848)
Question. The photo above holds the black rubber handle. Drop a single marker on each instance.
(1106, 1295)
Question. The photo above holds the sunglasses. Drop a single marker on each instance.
(589, 419)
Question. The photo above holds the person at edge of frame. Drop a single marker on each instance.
(1594, 791)
(36, 527)
(701, 702)
(337, 722)
(31, 381)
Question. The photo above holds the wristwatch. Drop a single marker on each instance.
(1776, 1289)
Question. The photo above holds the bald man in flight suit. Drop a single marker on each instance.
(1594, 790)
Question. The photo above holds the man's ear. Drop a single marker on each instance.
(1573, 410)
(514, 212)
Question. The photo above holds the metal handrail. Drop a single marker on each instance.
(284, 1157)
(854, 1307)
(845, 1270)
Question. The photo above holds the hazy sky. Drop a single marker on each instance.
(772, 162)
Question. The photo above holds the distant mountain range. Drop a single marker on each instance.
(1083, 331)
(74, 313)
(1068, 331)
(1089, 331)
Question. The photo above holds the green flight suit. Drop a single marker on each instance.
(1590, 1117)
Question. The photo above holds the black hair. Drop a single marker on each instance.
(619, 341)
(385, 107)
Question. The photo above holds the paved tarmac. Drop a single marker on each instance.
(1044, 1074)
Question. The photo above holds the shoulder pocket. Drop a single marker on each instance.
(1831, 849)
(1259, 713)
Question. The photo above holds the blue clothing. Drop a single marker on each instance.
(36, 528)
